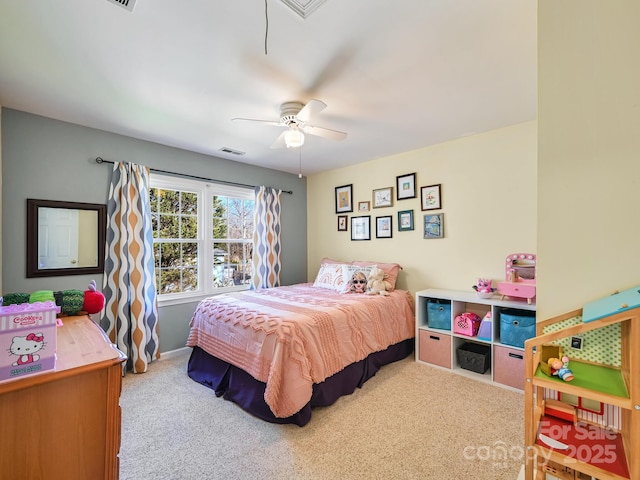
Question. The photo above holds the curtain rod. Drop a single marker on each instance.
(195, 177)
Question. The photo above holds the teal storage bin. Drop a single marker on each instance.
(439, 314)
(517, 326)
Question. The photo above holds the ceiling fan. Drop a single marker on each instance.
(295, 116)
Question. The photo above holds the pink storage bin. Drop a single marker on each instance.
(467, 324)
(28, 335)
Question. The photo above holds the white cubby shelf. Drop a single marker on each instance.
(439, 347)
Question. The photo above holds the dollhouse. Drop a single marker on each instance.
(588, 427)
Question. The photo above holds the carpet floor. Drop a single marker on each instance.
(410, 421)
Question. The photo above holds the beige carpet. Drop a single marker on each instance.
(410, 421)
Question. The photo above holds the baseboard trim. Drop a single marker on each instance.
(175, 353)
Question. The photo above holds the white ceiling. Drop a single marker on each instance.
(396, 75)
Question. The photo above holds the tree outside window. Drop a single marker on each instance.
(202, 234)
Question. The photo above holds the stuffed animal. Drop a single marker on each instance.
(483, 288)
(560, 368)
(71, 302)
(377, 285)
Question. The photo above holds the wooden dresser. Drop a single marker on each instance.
(65, 424)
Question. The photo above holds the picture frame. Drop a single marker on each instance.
(383, 197)
(344, 198)
(384, 226)
(364, 206)
(431, 197)
(406, 186)
(342, 223)
(434, 225)
(405, 220)
(361, 227)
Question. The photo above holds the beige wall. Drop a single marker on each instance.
(589, 151)
(488, 200)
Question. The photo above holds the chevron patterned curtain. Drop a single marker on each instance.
(131, 313)
(266, 238)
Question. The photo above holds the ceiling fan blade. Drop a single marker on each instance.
(266, 122)
(310, 109)
(324, 132)
(279, 143)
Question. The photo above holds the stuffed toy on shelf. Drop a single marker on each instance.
(71, 302)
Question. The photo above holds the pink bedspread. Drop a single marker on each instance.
(292, 337)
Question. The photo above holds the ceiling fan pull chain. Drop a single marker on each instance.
(266, 28)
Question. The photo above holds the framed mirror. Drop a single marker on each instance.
(65, 238)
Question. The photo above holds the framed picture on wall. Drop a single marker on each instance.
(383, 227)
(430, 196)
(344, 198)
(364, 206)
(342, 223)
(406, 186)
(361, 227)
(434, 225)
(405, 220)
(383, 197)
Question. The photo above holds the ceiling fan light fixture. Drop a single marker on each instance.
(293, 138)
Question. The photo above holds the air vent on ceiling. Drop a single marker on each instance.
(231, 151)
(127, 4)
(304, 8)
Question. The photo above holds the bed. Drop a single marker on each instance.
(278, 352)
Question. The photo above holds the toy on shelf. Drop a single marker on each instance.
(71, 302)
(560, 368)
(561, 410)
(484, 332)
(467, 324)
(520, 277)
(483, 288)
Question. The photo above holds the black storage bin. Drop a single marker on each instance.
(474, 357)
(439, 314)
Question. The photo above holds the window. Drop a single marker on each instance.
(202, 237)
(583, 403)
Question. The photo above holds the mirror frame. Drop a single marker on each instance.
(32, 238)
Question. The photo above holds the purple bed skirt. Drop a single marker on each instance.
(236, 385)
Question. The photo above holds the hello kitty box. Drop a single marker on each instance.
(28, 339)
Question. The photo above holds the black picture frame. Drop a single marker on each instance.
(406, 186)
(361, 228)
(342, 223)
(344, 198)
(384, 226)
(431, 197)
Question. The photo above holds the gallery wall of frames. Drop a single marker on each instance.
(375, 216)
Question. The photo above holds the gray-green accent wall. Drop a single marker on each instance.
(53, 160)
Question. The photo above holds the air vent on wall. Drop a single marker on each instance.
(127, 4)
(231, 151)
(304, 8)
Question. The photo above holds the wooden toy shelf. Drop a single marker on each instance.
(604, 452)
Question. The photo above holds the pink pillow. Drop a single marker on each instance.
(330, 260)
(391, 271)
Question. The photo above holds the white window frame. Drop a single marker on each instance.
(206, 191)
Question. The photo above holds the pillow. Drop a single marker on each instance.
(330, 277)
(330, 260)
(355, 278)
(391, 271)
